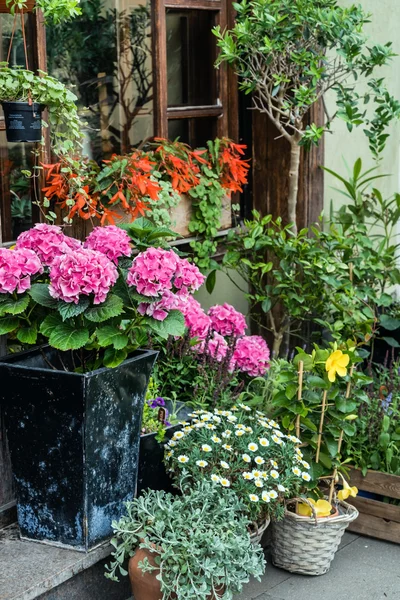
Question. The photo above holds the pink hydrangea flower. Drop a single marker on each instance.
(217, 347)
(82, 273)
(47, 241)
(16, 269)
(251, 355)
(159, 310)
(152, 271)
(196, 320)
(188, 277)
(226, 320)
(111, 241)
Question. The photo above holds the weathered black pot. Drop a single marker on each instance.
(74, 442)
(23, 121)
(152, 472)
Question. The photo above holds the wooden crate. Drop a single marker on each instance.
(377, 519)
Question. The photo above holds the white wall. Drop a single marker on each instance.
(384, 27)
(225, 291)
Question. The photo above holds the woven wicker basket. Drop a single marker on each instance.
(257, 532)
(308, 545)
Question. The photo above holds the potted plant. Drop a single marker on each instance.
(77, 402)
(24, 95)
(190, 546)
(243, 451)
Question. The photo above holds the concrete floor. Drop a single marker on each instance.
(363, 569)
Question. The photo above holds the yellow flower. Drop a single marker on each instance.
(347, 490)
(322, 508)
(336, 364)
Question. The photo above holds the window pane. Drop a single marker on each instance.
(195, 132)
(190, 58)
(106, 55)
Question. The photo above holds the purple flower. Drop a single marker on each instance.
(156, 402)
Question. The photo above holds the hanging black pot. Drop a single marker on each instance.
(23, 121)
(74, 443)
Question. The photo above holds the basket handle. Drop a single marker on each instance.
(304, 501)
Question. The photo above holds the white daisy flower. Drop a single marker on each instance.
(206, 417)
(252, 447)
(253, 497)
(305, 464)
(299, 452)
(227, 433)
(246, 458)
(278, 433)
(264, 475)
(263, 442)
(227, 446)
(273, 495)
(248, 430)
(274, 424)
(274, 463)
(225, 482)
(306, 476)
(259, 483)
(183, 458)
(257, 474)
(224, 464)
(210, 426)
(274, 474)
(239, 433)
(265, 496)
(215, 478)
(216, 439)
(187, 429)
(202, 463)
(277, 440)
(259, 460)
(169, 454)
(216, 419)
(178, 435)
(239, 426)
(248, 476)
(171, 443)
(206, 448)
(232, 418)
(296, 471)
(281, 488)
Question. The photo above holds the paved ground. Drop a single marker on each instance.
(363, 569)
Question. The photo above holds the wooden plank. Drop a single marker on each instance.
(186, 112)
(195, 4)
(376, 483)
(376, 527)
(376, 508)
(159, 49)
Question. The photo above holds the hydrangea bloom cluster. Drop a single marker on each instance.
(111, 241)
(251, 355)
(196, 320)
(47, 241)
(243, 450)
(164, 276)
(216, 346)
(227, 321)
(16, 269)
(82, 273)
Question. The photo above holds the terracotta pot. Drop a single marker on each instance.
(145, 586)
(4, 8)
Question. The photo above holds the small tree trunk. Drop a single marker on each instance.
(278, 339)
(294, 173)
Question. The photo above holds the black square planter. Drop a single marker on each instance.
(74, 443)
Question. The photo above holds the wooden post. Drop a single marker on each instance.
(321, 425)
(299, 394)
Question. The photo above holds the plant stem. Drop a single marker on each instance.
(294, 173)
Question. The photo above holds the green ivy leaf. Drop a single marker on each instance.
(14, 307)
(173, 325)
(68, 310)
(112, 307)
(113, 357)
(8, 324)
(39, 292)
(111, 336)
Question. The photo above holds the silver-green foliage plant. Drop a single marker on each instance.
(17, 84)
(200, 542)
(56, 11)
(290, 54)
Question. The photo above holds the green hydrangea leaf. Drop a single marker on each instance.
(112, 307)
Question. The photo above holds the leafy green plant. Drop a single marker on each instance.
(17, 84)
(199, 541)
(56, 11)
(376, 444)
(289, 54)
(329, 389)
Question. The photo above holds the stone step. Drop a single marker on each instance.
(30, 570)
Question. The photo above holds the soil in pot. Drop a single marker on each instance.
(23, 121)
(145, 586)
